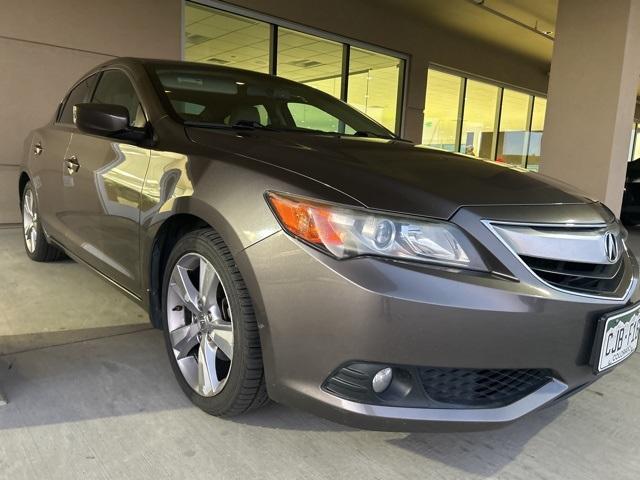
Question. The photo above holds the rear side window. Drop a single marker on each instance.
(115, 88)
(80, 94)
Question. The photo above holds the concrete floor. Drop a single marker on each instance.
(91, 395)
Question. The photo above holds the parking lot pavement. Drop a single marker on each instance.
(44, 304)
(94, 397)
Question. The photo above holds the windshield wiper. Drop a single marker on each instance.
(195, 123)
(367, 133)
(242, 124)
(306, 130)
(251, 124)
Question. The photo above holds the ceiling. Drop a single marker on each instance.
(466, 18)
(487, 22)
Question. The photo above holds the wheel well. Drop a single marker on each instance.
(168, 235)
(24, 178)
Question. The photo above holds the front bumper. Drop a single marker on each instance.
(316, 314)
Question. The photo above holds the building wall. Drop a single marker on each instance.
(45, 46)
(385, 27)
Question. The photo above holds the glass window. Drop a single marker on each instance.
(479, 119)
(513, 133)
(224, 99)
(115, 88)
(311, 117)
(514, 140)
(218, 37)
(221, 38)
(187, 108)
(442, 115)
(79, 94)
(310, 60)
(636, 150)
(535, 138)
(374, 83)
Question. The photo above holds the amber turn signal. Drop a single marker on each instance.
(306, 220)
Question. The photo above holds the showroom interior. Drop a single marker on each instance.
(550, 87)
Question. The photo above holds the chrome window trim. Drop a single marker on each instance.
(634, 279)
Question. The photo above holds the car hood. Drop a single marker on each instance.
(394, 175)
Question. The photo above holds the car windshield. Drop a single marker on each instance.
(217, 98)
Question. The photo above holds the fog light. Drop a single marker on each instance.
(382, 380)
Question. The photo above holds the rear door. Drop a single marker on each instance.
(101, 208)
(49, 146)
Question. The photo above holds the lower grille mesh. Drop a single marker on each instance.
(481, 388)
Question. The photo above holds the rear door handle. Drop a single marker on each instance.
(72, 164)
(37, 149)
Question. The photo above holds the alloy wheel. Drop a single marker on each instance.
(30, 221)
(200, 324)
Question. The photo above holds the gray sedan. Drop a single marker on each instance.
(292, 248)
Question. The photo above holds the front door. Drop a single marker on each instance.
(103, 180)
(48, 151)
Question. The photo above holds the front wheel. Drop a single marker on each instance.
(210, 329)
(35, 242)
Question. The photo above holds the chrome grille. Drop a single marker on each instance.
(575, 258)
(580, 277)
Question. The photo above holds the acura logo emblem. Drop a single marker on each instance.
(610, 247)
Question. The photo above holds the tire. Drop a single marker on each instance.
(243, 386)
(35, 242)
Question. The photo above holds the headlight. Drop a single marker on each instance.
(347, 232)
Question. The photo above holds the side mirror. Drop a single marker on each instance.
(101, 118)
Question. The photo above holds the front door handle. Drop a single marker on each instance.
(37, 149)
(72, 164)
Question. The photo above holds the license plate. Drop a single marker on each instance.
(617, 338)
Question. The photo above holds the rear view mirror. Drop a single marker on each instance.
(101, 118)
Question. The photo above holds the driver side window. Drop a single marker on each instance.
(115, 88)
(79, 94)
